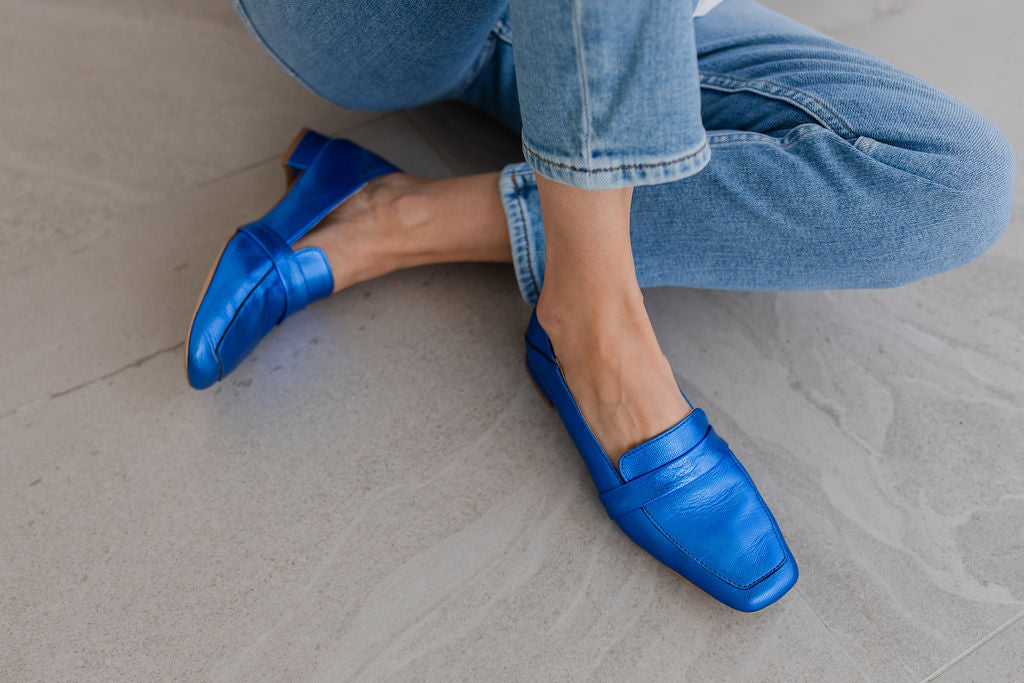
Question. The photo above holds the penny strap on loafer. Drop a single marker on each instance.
(285, 263)
(693, 460)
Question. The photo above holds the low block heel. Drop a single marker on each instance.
(304, 148)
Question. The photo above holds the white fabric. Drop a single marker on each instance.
(704, 6)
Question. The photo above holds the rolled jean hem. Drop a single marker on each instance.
(614, 172)
(524, 230)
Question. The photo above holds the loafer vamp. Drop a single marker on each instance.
(719, 521)
(243, 301)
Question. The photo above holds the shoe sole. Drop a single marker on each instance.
(290, 178)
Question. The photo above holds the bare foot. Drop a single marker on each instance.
(400, 221)
(593, 311)
(615, 369)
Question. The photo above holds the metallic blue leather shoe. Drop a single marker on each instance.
(682, 496)
(258, 281)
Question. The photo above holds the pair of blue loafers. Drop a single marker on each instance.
(682, 496)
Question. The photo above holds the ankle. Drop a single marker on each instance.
(583, 310)
(404, 209)
(370, 234)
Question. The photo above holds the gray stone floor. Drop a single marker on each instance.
(377, 493)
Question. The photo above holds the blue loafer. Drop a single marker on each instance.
(258, 281)
(682, 496)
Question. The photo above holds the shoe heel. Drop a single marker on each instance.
(304, 148)
(536, 384)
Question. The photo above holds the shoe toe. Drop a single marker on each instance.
(717, 532)
(770, 589)
(202, 363)
(242, 302)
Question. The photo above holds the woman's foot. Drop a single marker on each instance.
(611, 360)
(593, 311)
(399, 221)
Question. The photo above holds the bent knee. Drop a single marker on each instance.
(950, 232)
(979, 210)
(345, 54)
(962, 206)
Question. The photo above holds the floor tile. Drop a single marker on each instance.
(377, 492)
(467, 139)
(118, 104)
(999, 658)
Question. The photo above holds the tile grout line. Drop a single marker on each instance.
(831, 635)
(137, 363)
(156, 199)
(256, 164)
(963, 655)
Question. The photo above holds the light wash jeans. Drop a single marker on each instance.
(764, 154)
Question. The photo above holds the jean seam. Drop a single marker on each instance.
(863, 145)
(869, 145)
(585, 123)
(614, 168)
(806, 102)
(535, 288)
(791, 138)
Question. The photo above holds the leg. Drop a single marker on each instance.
(609, 100)
(384, 56)
(909, 181)
(829, 169)
(604, 80)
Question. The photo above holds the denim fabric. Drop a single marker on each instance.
(607, 91)
(828, 168)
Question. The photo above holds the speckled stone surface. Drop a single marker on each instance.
(377, 493)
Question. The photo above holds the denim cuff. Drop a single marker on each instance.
(518, 189)
(612, 171)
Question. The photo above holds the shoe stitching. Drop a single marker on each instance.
(274, 264)
(534, 347)
(764, 506)
(667, 433)
(702, 564)
(806, 102)
(671, 540)
(216, 351)
(675, 488)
